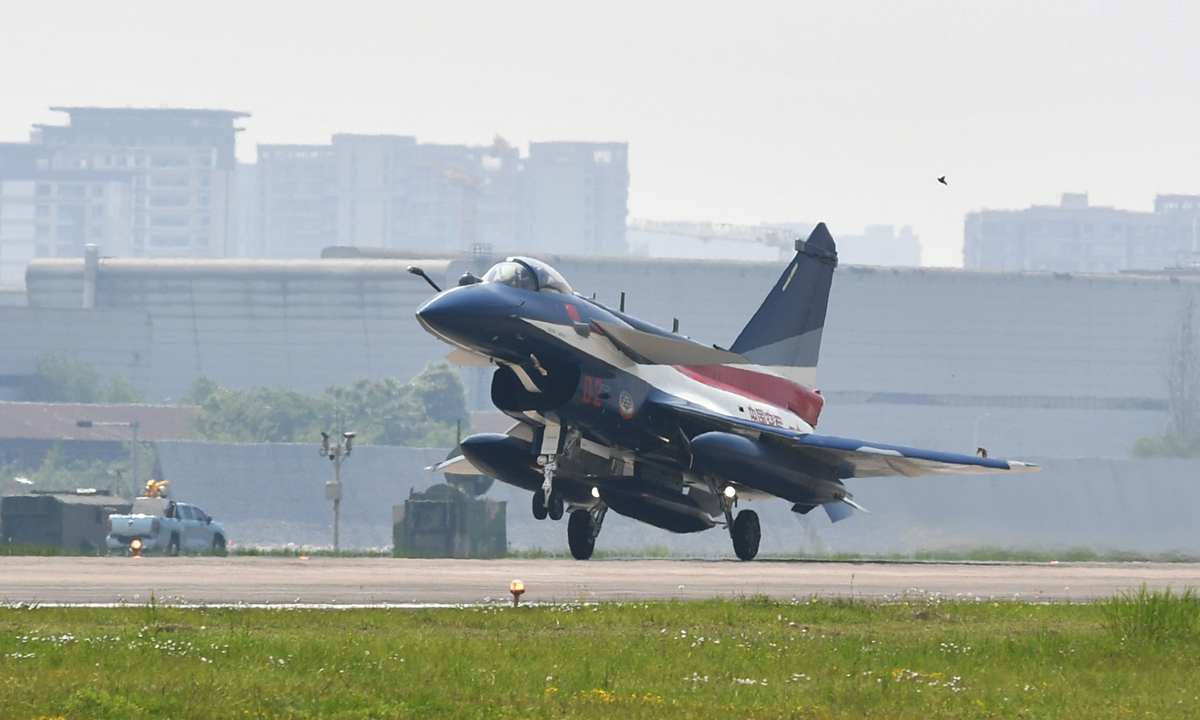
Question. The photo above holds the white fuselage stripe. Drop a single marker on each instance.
(670, 380)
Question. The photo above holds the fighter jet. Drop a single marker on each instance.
(614, 413)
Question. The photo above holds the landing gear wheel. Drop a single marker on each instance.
(579, 534)
(555, 506)
(746, 533)
(539, 505)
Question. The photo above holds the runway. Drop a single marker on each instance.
(402, 582)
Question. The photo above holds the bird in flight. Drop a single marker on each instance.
(942, 180)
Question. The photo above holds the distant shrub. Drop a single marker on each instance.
(1168, 446)
(61, 377)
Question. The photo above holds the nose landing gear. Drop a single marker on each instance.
(539, 505)
(547, 501)
(542, 509)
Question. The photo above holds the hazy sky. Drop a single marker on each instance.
(738, 112)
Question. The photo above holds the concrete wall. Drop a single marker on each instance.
(300, 323)
(114, 340)
(273, 495)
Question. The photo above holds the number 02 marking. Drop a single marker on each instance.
(592, 387)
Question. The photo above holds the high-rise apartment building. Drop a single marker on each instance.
(391, 191)
(575, 198)
(167, 183)
(398, 193)
(297, 200)
(49, 211)
(180, 164)
(1077, 237)
(879, 245)
(141, 182)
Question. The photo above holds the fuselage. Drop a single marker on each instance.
(543, 337)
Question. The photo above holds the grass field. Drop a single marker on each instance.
(1136, 655)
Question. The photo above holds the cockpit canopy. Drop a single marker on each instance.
(527, 274)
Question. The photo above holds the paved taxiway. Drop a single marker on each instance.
(387, 581)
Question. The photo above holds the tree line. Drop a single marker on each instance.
(61, 377)
(425, 412)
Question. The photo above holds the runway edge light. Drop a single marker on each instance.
(516, 587)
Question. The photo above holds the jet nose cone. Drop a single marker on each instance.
(463, 313)
(435, 311)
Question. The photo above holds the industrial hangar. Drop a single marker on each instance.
(1023, 363)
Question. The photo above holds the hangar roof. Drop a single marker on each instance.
(58, 421)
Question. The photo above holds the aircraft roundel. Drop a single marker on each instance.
(625, 405)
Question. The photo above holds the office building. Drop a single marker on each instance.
(179, 162)
(574, 198)
(294, 201)
(1077, 237)
(881, 245)
(391, 191)
(49, 211)
(140, 182)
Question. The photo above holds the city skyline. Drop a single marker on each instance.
(745, 114)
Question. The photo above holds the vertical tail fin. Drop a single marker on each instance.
(785, 333)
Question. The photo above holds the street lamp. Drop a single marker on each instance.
(340, 448)
(132, 426)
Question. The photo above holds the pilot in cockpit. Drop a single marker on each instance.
(527, 274)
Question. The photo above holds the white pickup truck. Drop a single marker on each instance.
(164, 525)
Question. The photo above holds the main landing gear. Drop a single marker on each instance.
(582, 530)
(745, 530)
(746, 533)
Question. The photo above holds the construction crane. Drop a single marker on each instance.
(777, 237)
(472, 185)
(468, 223)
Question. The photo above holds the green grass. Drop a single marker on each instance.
(36, 550)
(1137, 654)
(46, 551)
(1153, 616)
(998, 554)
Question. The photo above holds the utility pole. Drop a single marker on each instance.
(337, 451)
(134, 469)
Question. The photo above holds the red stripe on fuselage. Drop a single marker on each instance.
(770, 389)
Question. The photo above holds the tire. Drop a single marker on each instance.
(746, 534)
(579, 534)
(218, 543)
(555, 508)
(173, 546)
(539, 506)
